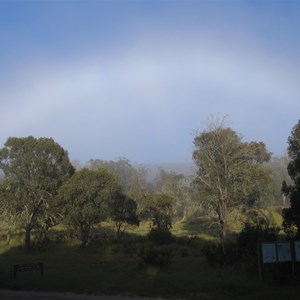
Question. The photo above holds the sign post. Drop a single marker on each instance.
(278, 253)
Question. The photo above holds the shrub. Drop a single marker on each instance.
(155, 256)
(160, 236)
(249, 237)
(218, 253)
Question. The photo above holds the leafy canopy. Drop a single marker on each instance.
(84, 200)
(34, 169)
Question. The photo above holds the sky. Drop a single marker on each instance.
(137, 79)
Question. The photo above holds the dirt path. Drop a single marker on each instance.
(29, 295)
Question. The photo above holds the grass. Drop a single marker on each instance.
(111, 270)
(110, 267)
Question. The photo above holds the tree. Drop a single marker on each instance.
(291, 215)
(132, 178)
(123, 212)
(159, 209)
(279, 170)
(227, 170)
(178, 186)
(8, 214)
(34, 171)
(84, 200)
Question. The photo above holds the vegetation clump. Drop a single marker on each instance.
(150, 254)
(146, 230)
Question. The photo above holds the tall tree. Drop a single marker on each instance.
(85, 200)
(227, 170)
(34, 170)
(292, 215)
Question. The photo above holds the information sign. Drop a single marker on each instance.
(297, 250)
(284, 251)
(269, 253)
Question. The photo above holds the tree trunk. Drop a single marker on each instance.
(223, 230)
(27, 236)
(184, 216)
(8, 237)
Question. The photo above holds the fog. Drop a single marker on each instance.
(140, 83)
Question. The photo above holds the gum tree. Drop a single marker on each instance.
(228, 171)
(34, 169)
(85, 200)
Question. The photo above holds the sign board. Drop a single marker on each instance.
(297, 250)
(269, 253)
(284, 251)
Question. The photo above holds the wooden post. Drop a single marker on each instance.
(259, 262)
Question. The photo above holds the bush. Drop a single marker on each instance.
(160, 236)
(218, 253)
(249, 237)
(155, 256)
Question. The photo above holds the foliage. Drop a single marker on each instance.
(155, 256)
(103, 270)
(248, 238)
(159, 209)
(8, 213)
(131, 178)
(123, 212)
(229, 171)
(220, 253)
(178, 186)
(160, 236)
(34, 170)
(279, 173)
(292, 215)
(84, 200)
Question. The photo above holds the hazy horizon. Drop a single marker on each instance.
(135, 79)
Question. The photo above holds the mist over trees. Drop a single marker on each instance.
(40, 188)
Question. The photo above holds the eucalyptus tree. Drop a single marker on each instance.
(178, 187)
(228, 171)
(34, 169)
(160, 210)
(123, 212)
(85, 200)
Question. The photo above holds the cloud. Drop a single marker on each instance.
(148, 91)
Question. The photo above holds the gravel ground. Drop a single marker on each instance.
(30, 295)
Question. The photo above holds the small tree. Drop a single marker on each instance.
(84, 200)
(159, 209)
(178, 186)
(123, 212)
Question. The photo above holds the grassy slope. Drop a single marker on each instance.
(114, 269)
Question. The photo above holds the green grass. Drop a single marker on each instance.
(114, 268)
(109, 267)
(108, 271)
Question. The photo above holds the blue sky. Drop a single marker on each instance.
(136, 78)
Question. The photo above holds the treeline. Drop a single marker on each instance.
(41, 188)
